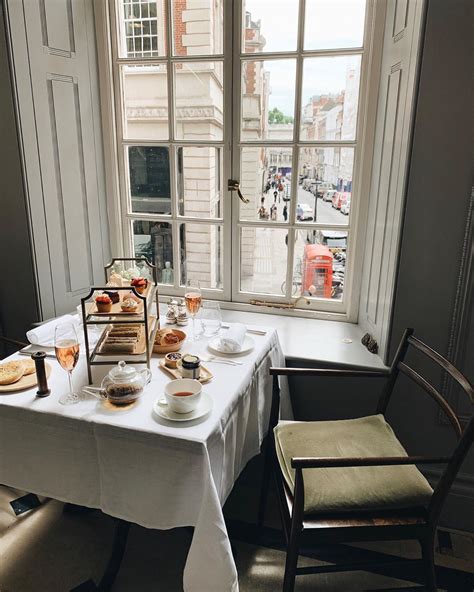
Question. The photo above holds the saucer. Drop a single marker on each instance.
(215, 346)
(163, 411)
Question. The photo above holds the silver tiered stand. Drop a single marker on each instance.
(115, 319)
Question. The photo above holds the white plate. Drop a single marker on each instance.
(215, 346)
(162, 410)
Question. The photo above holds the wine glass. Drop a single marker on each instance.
(193, 298)
(66, 345)
(211, 318)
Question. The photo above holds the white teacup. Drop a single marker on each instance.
(183, 403)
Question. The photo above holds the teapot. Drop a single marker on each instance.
(122, 385)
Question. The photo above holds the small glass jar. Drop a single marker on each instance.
(190, 366)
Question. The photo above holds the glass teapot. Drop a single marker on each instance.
(124, 384)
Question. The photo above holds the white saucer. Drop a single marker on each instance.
(162, 409)
(215, 346)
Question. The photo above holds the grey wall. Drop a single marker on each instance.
(18, 301)
(439, 189)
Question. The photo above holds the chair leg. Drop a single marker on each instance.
(265, 482)
(292, 556)
(427, 552)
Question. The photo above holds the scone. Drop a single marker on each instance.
(11, 372)
(29, 367)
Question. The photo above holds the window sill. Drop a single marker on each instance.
(312, 340)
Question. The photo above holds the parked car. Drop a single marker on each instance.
(322, 187)
(346, 206)
(336, 199)
(304, 212)
(328, 195)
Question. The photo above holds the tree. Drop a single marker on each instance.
(276, 116)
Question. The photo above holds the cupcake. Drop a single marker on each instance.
(140, 284)
(103, 303)
(113, 295)
(129, 305)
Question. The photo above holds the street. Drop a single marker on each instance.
(325, 213)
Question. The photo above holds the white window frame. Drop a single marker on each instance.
(231, 297)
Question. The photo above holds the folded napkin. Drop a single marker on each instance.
(44, 334)
(234, 338)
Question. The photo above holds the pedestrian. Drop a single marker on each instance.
(285, 213)
(273, 212)
(275, 195)
(299, 212)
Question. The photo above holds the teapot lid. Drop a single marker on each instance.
(122, 372)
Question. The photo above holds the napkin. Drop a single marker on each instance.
(234, 338)
(44, 334)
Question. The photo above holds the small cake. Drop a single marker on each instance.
(172, 359)
(140, 284)
(116, 279)
(103, 303)
(113, 295)
(129, 305)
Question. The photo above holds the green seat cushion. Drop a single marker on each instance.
(354, 488)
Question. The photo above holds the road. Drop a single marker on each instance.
(325, 213)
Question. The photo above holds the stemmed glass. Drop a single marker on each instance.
(211, 318)
(193, 299)
(66, 345)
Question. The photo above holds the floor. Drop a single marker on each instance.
(48, 550)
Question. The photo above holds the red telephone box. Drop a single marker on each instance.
(317, 265)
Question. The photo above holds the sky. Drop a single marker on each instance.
(329, 24)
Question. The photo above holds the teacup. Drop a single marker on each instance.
(183, 395)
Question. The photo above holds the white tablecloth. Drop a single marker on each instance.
(134, 466)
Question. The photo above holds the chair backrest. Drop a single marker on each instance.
(465, 437)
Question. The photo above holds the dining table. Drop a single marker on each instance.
(136, 466)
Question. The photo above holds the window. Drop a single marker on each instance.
(269, 92)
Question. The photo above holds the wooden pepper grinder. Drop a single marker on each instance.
(43, 390)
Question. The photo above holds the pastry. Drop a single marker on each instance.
(129, 305)
(172, 359)
(133, 297)
(170, 339)
(29, 367)
(116, 279)
(140, 284)
(11, 372)
(103, 303)
(113, 295)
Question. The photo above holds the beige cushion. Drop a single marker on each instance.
(349, 489)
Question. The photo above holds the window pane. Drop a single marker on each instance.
(154, 240)
(330, 98)
(263, 257)
(199, 98)
(136, 20)
(199, 181)
(325, 184)
(320, 261)
(265, 179)
(270, 25)
(268, 99)
(201, 253)
(145, 98)
(149, 179)
(198, 27)
(331, 24)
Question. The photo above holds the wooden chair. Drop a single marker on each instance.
(304, 477)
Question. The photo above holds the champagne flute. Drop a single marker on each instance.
(66, 345)
(193, 299)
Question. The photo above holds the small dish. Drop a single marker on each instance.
(215, 346)
(161, 409)
(172, 347)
